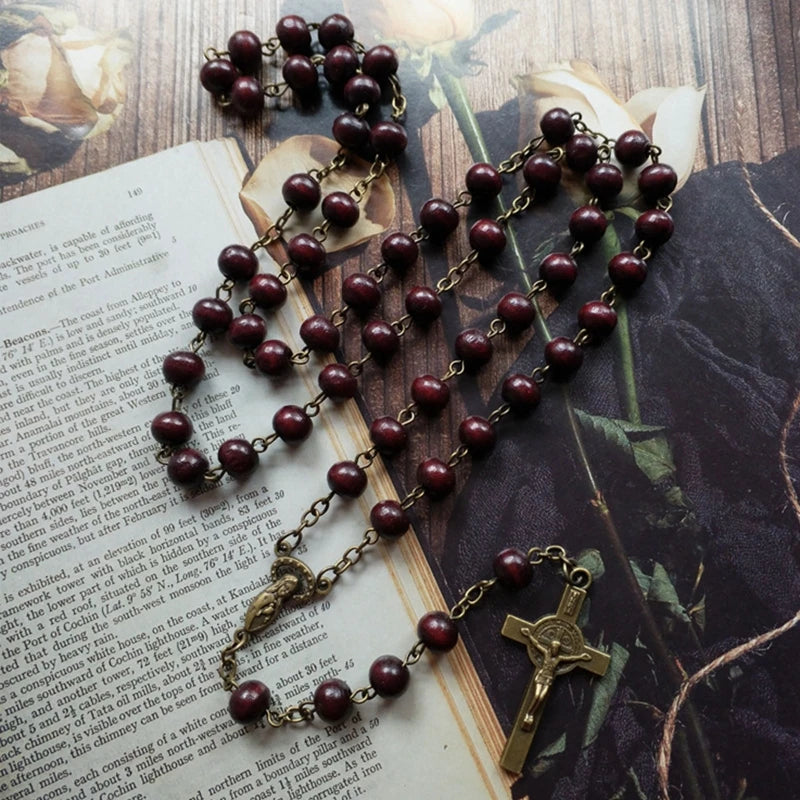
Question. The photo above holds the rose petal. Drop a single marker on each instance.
(263, 201)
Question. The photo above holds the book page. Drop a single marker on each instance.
(119, 590)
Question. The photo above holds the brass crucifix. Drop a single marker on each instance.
(555, 646)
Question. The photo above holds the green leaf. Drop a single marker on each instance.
(603, 693)
(547, 757)
(658, 588)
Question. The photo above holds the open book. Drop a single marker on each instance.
(119, 590)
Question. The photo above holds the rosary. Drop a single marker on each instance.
(362, 79)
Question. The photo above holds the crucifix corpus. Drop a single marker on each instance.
(555, 646)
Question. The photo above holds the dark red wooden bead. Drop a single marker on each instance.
(293, 34)
(423, 304)
(340, 209)
(381, 339)
(247, 331)
(291, 423)
(244, 49)
(517, 311)
(301, 191)
(218, 75)
(478, 435)
(439, 218)
(337, 382)
(587, 224)
(334, 30)
(488, 238)
(183, 369)
(512, 568)
(247, 96)
(212, 315)
(474, 348)
(521, 392)
(320, 334)
(307, 254)
(248, 702)
(187, 467)
(237, 262)
(598, 318)
(171, 427)
(388, 676)
(388, 435)
(380, 62)
(350, 131)
(388, 139)
(399, 251)
(632, 148)
(300, 73)
(483, 181)
(273, 357)
(266, 291)
(347, 479)
(332, 700)
(654, 227)
(627, 272)
(361, 292)
(361, 89)
(542, 174)
(436, 478)
(341, 63)
(557, 126)
(564, 357)
(430, 394)
(604, 181)
(559, 270)
(657, 181)
(580, 152)
(237, 457)
(389, 519)
(437, 631)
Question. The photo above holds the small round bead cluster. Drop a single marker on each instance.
(388, 675)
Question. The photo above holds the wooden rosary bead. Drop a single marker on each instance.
(657, 181)
(380, 339)
(388, 676)
(598, 318)
(632, 148)
(437, 631)
(564, 357)
(237, 262)
(183, 369)
(187, 467)
(521, 392)
(439, 218)
(474, 348)
(430, 394)
(307, 255)
(587, 224)
(580, 152)
(338, 382)
(389, 519)
(542, 174)
(248, 702)
(244, 50)
(512, 568)
(218, 75)
(266, 291)
(347, 479)
(211, 315)
(557, 126)
(483, 182)
(340, 209)
(350, 131)
(627, 272)
(517, 311)
(300, 73)
(291, 423)
(332, 700)
(247, 96)
(654, 227)
(388, 436)
(301, 192)
(604, 181)
(400, 252)
(436, 478)
(361, 292)
(477, 435)
(388, 139)
(341, 63)
(320, 334)
(273, 357)
(380, 62)
(238, 457)
(488, 238)
(247, 331)
(171, 428)
(559, 270)
(423, 305)
(334, 30)
(293, 34)
(361, 89)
